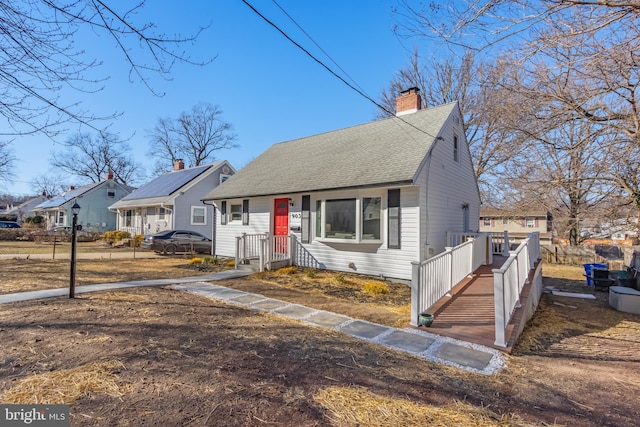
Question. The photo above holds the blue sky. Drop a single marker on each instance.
(269, 90)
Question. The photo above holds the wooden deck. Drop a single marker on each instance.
(469, 314)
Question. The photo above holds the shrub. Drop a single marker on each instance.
(195, 260)
(310, 273)
(118, 235)
(37, 219)
(376, 288)
(138, 240)
(287, 270)
(338, 277)
(231, 264)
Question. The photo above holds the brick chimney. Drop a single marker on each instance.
(178, 165)
(408, 102)
(108, 176)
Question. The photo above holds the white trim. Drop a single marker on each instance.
(358, 197)
(204, 215)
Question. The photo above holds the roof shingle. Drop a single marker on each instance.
(382, 152)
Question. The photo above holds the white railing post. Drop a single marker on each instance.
(238, 238)
(489, 249)
(244, 246)
(416, 290)
(449, 255)
(505, 244)
(498, 301)
(261, 244)
(293, 251)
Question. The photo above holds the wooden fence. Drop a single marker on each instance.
(577, 255)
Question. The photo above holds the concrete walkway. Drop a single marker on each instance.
(443, 350)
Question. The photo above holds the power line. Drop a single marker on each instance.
(326, 67)
(317, 45)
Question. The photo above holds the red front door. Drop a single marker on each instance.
(280, 224)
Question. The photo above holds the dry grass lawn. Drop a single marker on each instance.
(158, 356)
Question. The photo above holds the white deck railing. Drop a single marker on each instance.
(436, 277)
(508, 282)
(265, 248)
(275, 249)
(498, 239)
(248, 247)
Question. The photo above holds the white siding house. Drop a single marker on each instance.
(369, 199)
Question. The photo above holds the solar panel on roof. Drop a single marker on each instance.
(166, 184)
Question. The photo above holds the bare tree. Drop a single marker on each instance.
(576, 61)
(6, 161)
(92, 157)
(195, 137)
(39, 58)
(486, 106)
(48, 185)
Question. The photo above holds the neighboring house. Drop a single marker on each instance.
(94, 201)
(371, 198)
(173, 201)
(519, 225)
(26, 208)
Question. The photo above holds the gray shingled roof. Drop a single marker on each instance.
(382, 152)
(159, 189)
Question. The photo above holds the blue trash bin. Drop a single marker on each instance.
(589, 267)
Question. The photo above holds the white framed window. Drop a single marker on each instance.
(530, 222)
(236, 212)
(60, 218)
(161, 213)
(486, 222)
(198, 215)
(371, 218)
(505, 221)
(353, 219)
(224, 177)
(111, 193)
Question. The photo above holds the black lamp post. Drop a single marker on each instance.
(75, 209)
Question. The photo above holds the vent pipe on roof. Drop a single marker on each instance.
(408, 102)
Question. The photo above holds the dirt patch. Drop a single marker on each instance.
(21, 275)
(177, 358)
(338, 292)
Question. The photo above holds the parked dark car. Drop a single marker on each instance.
(172, 241)
(9, 224)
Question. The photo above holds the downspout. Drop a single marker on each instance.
(213, 227)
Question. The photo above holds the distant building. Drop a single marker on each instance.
(518, 224)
